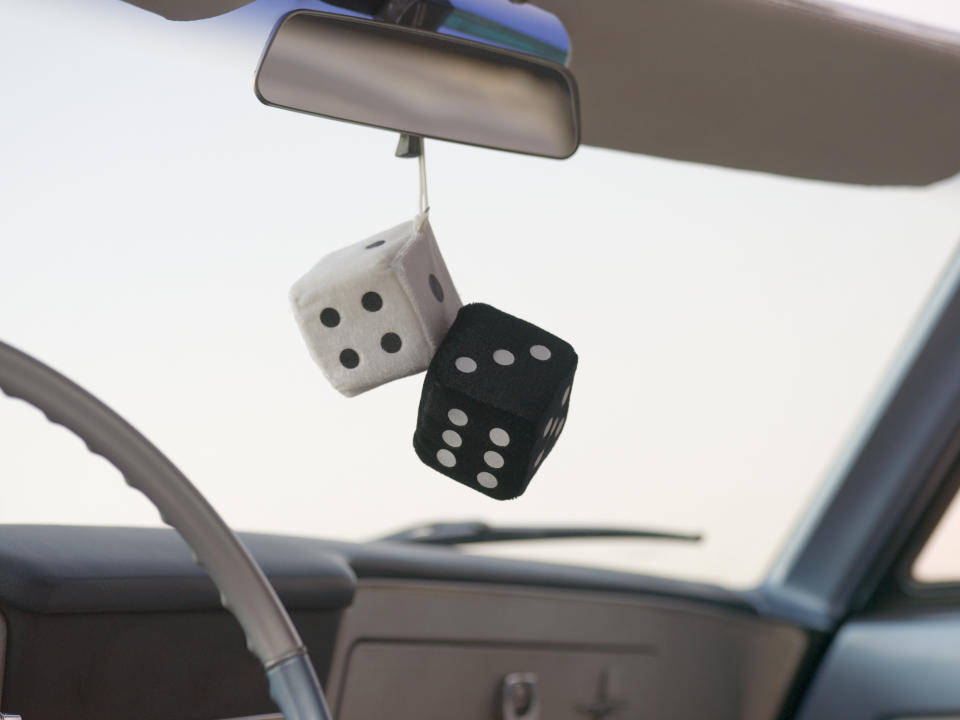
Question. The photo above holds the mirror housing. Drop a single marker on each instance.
(420, 83)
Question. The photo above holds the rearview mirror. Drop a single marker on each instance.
(420, 83)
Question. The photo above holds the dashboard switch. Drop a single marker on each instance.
(521, 699)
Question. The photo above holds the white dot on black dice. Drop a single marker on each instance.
(499, 437)
(452, 438)
(465, 364)
(541, 352)
(487, 480)
(493, 459)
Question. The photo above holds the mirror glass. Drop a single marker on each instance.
(421, 83)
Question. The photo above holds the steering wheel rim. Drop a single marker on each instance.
(244, 589)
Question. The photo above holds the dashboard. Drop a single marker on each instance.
(113, 623)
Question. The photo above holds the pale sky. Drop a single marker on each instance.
(731, 326)
(935, 13)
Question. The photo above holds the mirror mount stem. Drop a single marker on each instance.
(412, 146)
(409, 146)
(415, 13)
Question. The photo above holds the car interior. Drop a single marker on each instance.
(196, 622)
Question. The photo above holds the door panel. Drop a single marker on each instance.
(890, 665)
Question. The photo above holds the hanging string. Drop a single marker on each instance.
(424, 200)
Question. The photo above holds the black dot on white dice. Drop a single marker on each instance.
(330, 317)
(377, 310)
(349, 358)
(435, 287)
(391, 342)
(494, 401)
(371, 301)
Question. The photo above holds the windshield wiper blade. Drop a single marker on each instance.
(461, 533)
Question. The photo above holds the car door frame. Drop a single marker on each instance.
(895, 475)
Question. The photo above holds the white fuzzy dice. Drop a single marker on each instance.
(377, 310)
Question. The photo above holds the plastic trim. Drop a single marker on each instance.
(894, 466)
(3, 653)
(892, 665)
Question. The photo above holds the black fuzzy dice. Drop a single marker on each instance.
(494, 401)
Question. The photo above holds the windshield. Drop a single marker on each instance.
(731, 326)
(933, 14)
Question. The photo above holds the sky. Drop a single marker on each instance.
(732, 327)
(935, 13)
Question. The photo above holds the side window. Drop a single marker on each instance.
(939, 561)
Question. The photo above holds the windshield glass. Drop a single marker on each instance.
(731, 326)
(942, 14)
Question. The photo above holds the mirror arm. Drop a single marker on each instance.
(415, 13)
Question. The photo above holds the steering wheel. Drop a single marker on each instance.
(244, 590)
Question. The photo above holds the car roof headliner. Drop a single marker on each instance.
(792, 87)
